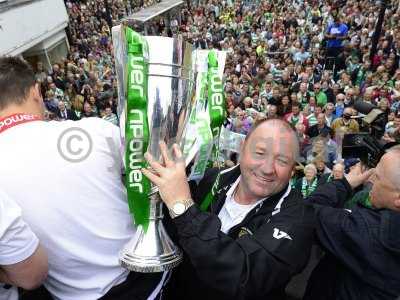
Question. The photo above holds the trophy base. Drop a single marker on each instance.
(151, 251)
(150, 264)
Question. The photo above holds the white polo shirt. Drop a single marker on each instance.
(17, 241)
(78, 210)
(233, 213)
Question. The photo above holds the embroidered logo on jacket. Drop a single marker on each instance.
(244, 231)
(279, 234)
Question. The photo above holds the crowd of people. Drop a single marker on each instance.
(295, 70)
(307, 62)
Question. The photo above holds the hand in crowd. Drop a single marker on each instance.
(358, 175)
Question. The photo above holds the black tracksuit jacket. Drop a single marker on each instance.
(362, 260)
(255, 260)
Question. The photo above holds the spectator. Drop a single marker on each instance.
(272, 112)
(312, 118)
(110, 116)
(319, 149)
(296, 116)
(285, 106)
(88, 111)
(330, 114)
(337, 174)
(320, 95)
(335, 34)
(322, 168)
(308, 184)
(345, 124)
(304, 139)
(65, 114)
(316, 129)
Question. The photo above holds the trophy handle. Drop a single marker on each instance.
(151, 251)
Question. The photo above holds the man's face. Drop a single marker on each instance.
(303, 87)
(61, 106)
(338, 171)
(272, 110)
(384, 192)
(349, 94)
(295, 110)
(329, 109)
(310, 174)
(321, 119)
(267, 160)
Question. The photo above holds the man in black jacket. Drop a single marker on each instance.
(63, 113)
(320, 127)
(362, 245)
(248, 237)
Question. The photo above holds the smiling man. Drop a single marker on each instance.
(246, 232)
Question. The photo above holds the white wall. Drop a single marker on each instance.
(25, 26)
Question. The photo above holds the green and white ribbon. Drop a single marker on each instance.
(216, 103)
(204, 140)
(201, 126)
(217, 115)
(207, 118)
(137, 128)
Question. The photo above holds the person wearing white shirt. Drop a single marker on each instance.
(76, 205)
(23, 262)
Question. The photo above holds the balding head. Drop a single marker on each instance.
(280, 131)
(392, 165)
(348, 111)
(385, 192)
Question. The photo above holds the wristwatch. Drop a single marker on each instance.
(180, 207)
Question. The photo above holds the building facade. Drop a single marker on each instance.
(34, 29)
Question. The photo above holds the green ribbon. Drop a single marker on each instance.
(217, 116)
(215, 95)
(211, 194)
(201, 125)
(216, 101)
(137, 128)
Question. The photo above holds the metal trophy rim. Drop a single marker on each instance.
(150, 265)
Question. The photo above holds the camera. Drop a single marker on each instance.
(367, 145)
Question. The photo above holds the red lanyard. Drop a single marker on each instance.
(16, 119)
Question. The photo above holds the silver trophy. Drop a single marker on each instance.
(170, 96)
